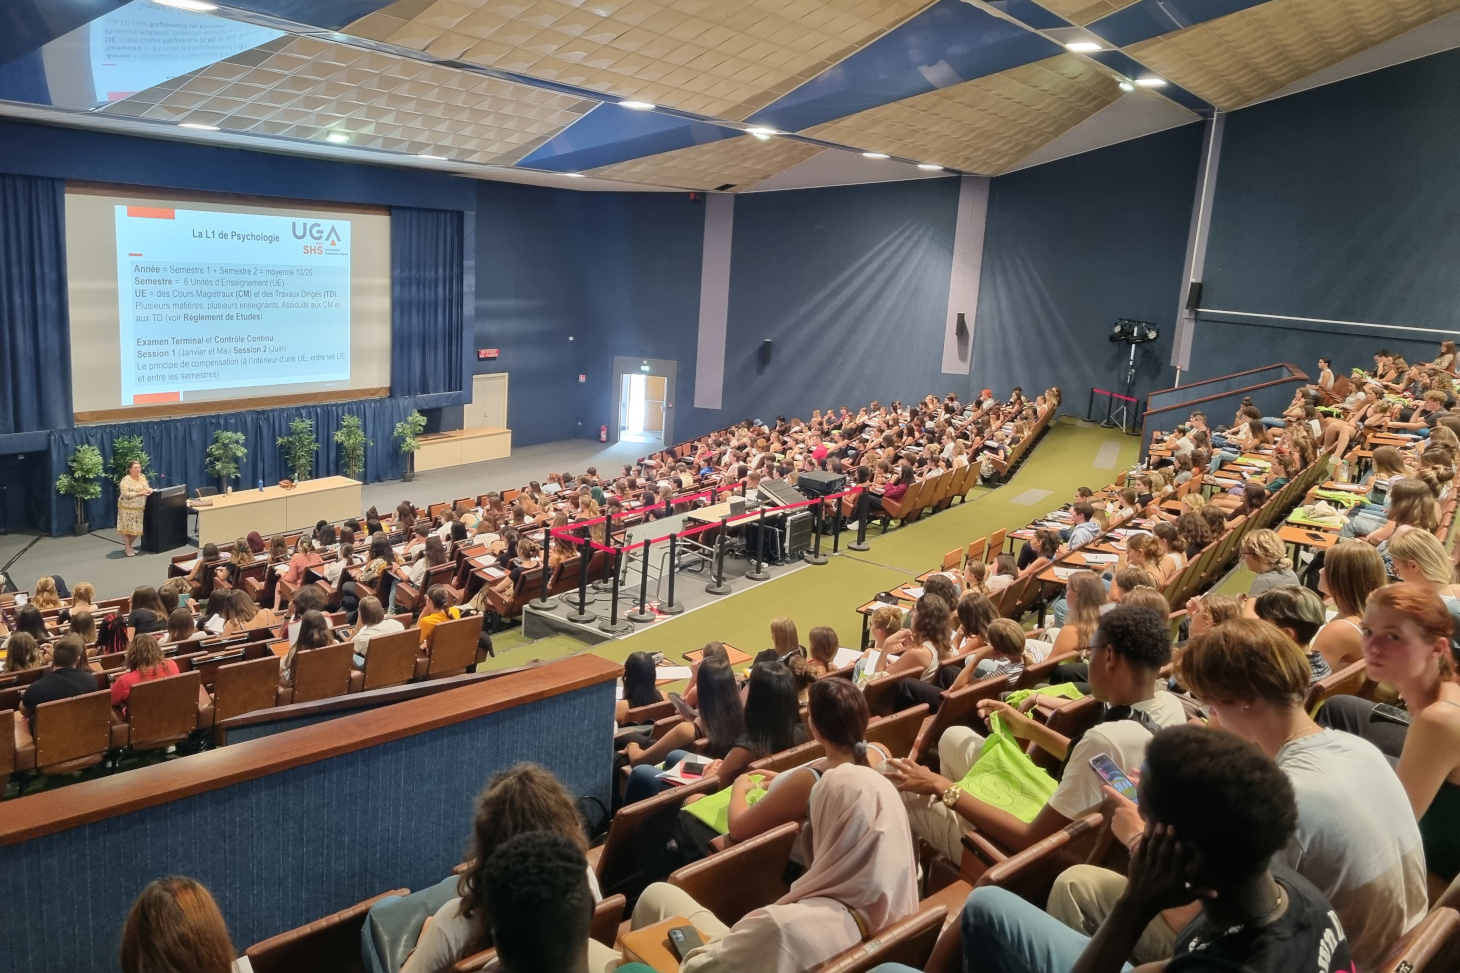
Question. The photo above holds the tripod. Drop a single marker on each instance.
(1121, 418)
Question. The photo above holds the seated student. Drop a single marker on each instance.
(431, 555)
(28, 619)
(862, 879)
(1216, 810)
(83, 623)
(437, 595)
(1003, 655)
(304, 558)
(1078, 609)
(145, 662)
(975, 611)
(1192, 535)
(45, 596)
(1085, 529)
(1407, 642)
(22, 652)
(174, 924)
(1128, 650)
(242, 614)
(1418, 557)
(1350, 573)
(639, 688)
(784, 638)
(1005, 571)
(1265, 555)
(148, 615)
(524, 799)
(929, 645)
(721, 719)
(1299, 613)
(837, 715)
(68, 676)
(83, 598)
(314, 633)
(536, 900)
(821, 653)
(371, 623)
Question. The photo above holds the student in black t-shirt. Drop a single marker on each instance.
(64, 680)
(1213, 811)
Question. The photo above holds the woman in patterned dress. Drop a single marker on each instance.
(132, 494)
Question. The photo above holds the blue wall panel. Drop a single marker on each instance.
(282, 850)
(851, 286)
(1338, 203)
(1070, 247)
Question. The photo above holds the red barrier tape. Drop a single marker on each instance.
(1113, 395)
(566, 533)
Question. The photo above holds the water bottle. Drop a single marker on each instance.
(1343, 473)
(261, 484)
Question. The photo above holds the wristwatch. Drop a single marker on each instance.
(950, 796)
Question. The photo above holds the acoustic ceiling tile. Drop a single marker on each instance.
(740, 162)
(450, 45)
(1234, 60)
(479, 24)
(444, 14)
(487, 52)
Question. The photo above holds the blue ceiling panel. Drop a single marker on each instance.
(24, 79)
(1031, 13)
(327, 14)
(1151, 18)
(1133, 69)
(28, 25)
(611, 133)
(947, 44)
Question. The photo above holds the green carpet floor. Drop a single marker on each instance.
(829, 595)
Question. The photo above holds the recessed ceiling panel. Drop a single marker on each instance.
(725, 58)
(611, 133)
(304, 88)
(1151, 18)
(733, 165)
(1239, 58)
(986, 125)
(1084, 12)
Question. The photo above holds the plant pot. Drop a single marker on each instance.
(408, 475)
(81, 527)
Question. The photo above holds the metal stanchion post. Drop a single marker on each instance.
(759, 573)
(582, 615)
(836, 527)
(609, 621)
(603, 584)
(814, 556)
(669, 606)
(642, 613)
(717, 585)
(542, 600)
(863, 511)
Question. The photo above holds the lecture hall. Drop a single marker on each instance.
(755, 486)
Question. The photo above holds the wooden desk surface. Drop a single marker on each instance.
(276, 492)
(1312, 537)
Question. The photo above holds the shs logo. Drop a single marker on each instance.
(324, 235)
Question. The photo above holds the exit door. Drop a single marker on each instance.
(643, 391)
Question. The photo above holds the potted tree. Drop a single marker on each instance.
(225, 452)
(299, 449)
(79, 482)
(125, 451)
(352, 442)
(406, 431)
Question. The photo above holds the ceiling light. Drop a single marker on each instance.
(198, 125)
(875, 155)
(1083, 47)
(761, 133)
(1150, 82)
(574, 175)
(637, 105)
(1127, 86)
(930, 167)
(427, 155)
(337, 137)
(194, 5)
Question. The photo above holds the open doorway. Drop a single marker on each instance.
(643, 392)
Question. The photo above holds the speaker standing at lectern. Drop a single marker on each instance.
(132, 493)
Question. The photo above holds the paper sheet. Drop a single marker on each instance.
(665, 674)
(844, 658)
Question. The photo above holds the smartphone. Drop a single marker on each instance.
(1111, 773)
(1390, 714)
(683, 939)
(694, 768)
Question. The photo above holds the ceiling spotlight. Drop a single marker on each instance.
(1150, 82)
(199, 126)
(930, 167)
(1127, 86)
(195, 5)
(1083, 47)
(875, 155)
(637, 105)
(761, 133)
(338, 137)
(574, 175)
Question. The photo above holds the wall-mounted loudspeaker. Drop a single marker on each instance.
(765, 352)
(961, 327)
(1193, 295)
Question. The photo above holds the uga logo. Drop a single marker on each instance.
(315, 231)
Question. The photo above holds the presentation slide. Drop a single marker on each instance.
(230, 301)
(180, 305)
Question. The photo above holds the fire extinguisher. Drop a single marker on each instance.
(603, 434)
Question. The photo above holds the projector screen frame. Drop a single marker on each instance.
(215, 406)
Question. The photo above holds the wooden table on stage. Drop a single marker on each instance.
(274, 510)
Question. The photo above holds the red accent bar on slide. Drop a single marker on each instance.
(151, 212)
(152, 398)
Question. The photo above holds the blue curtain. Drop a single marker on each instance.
(428, 356)
(35, 346)
(178, 448)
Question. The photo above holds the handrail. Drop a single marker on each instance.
(1295, 374)
(64, 808)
